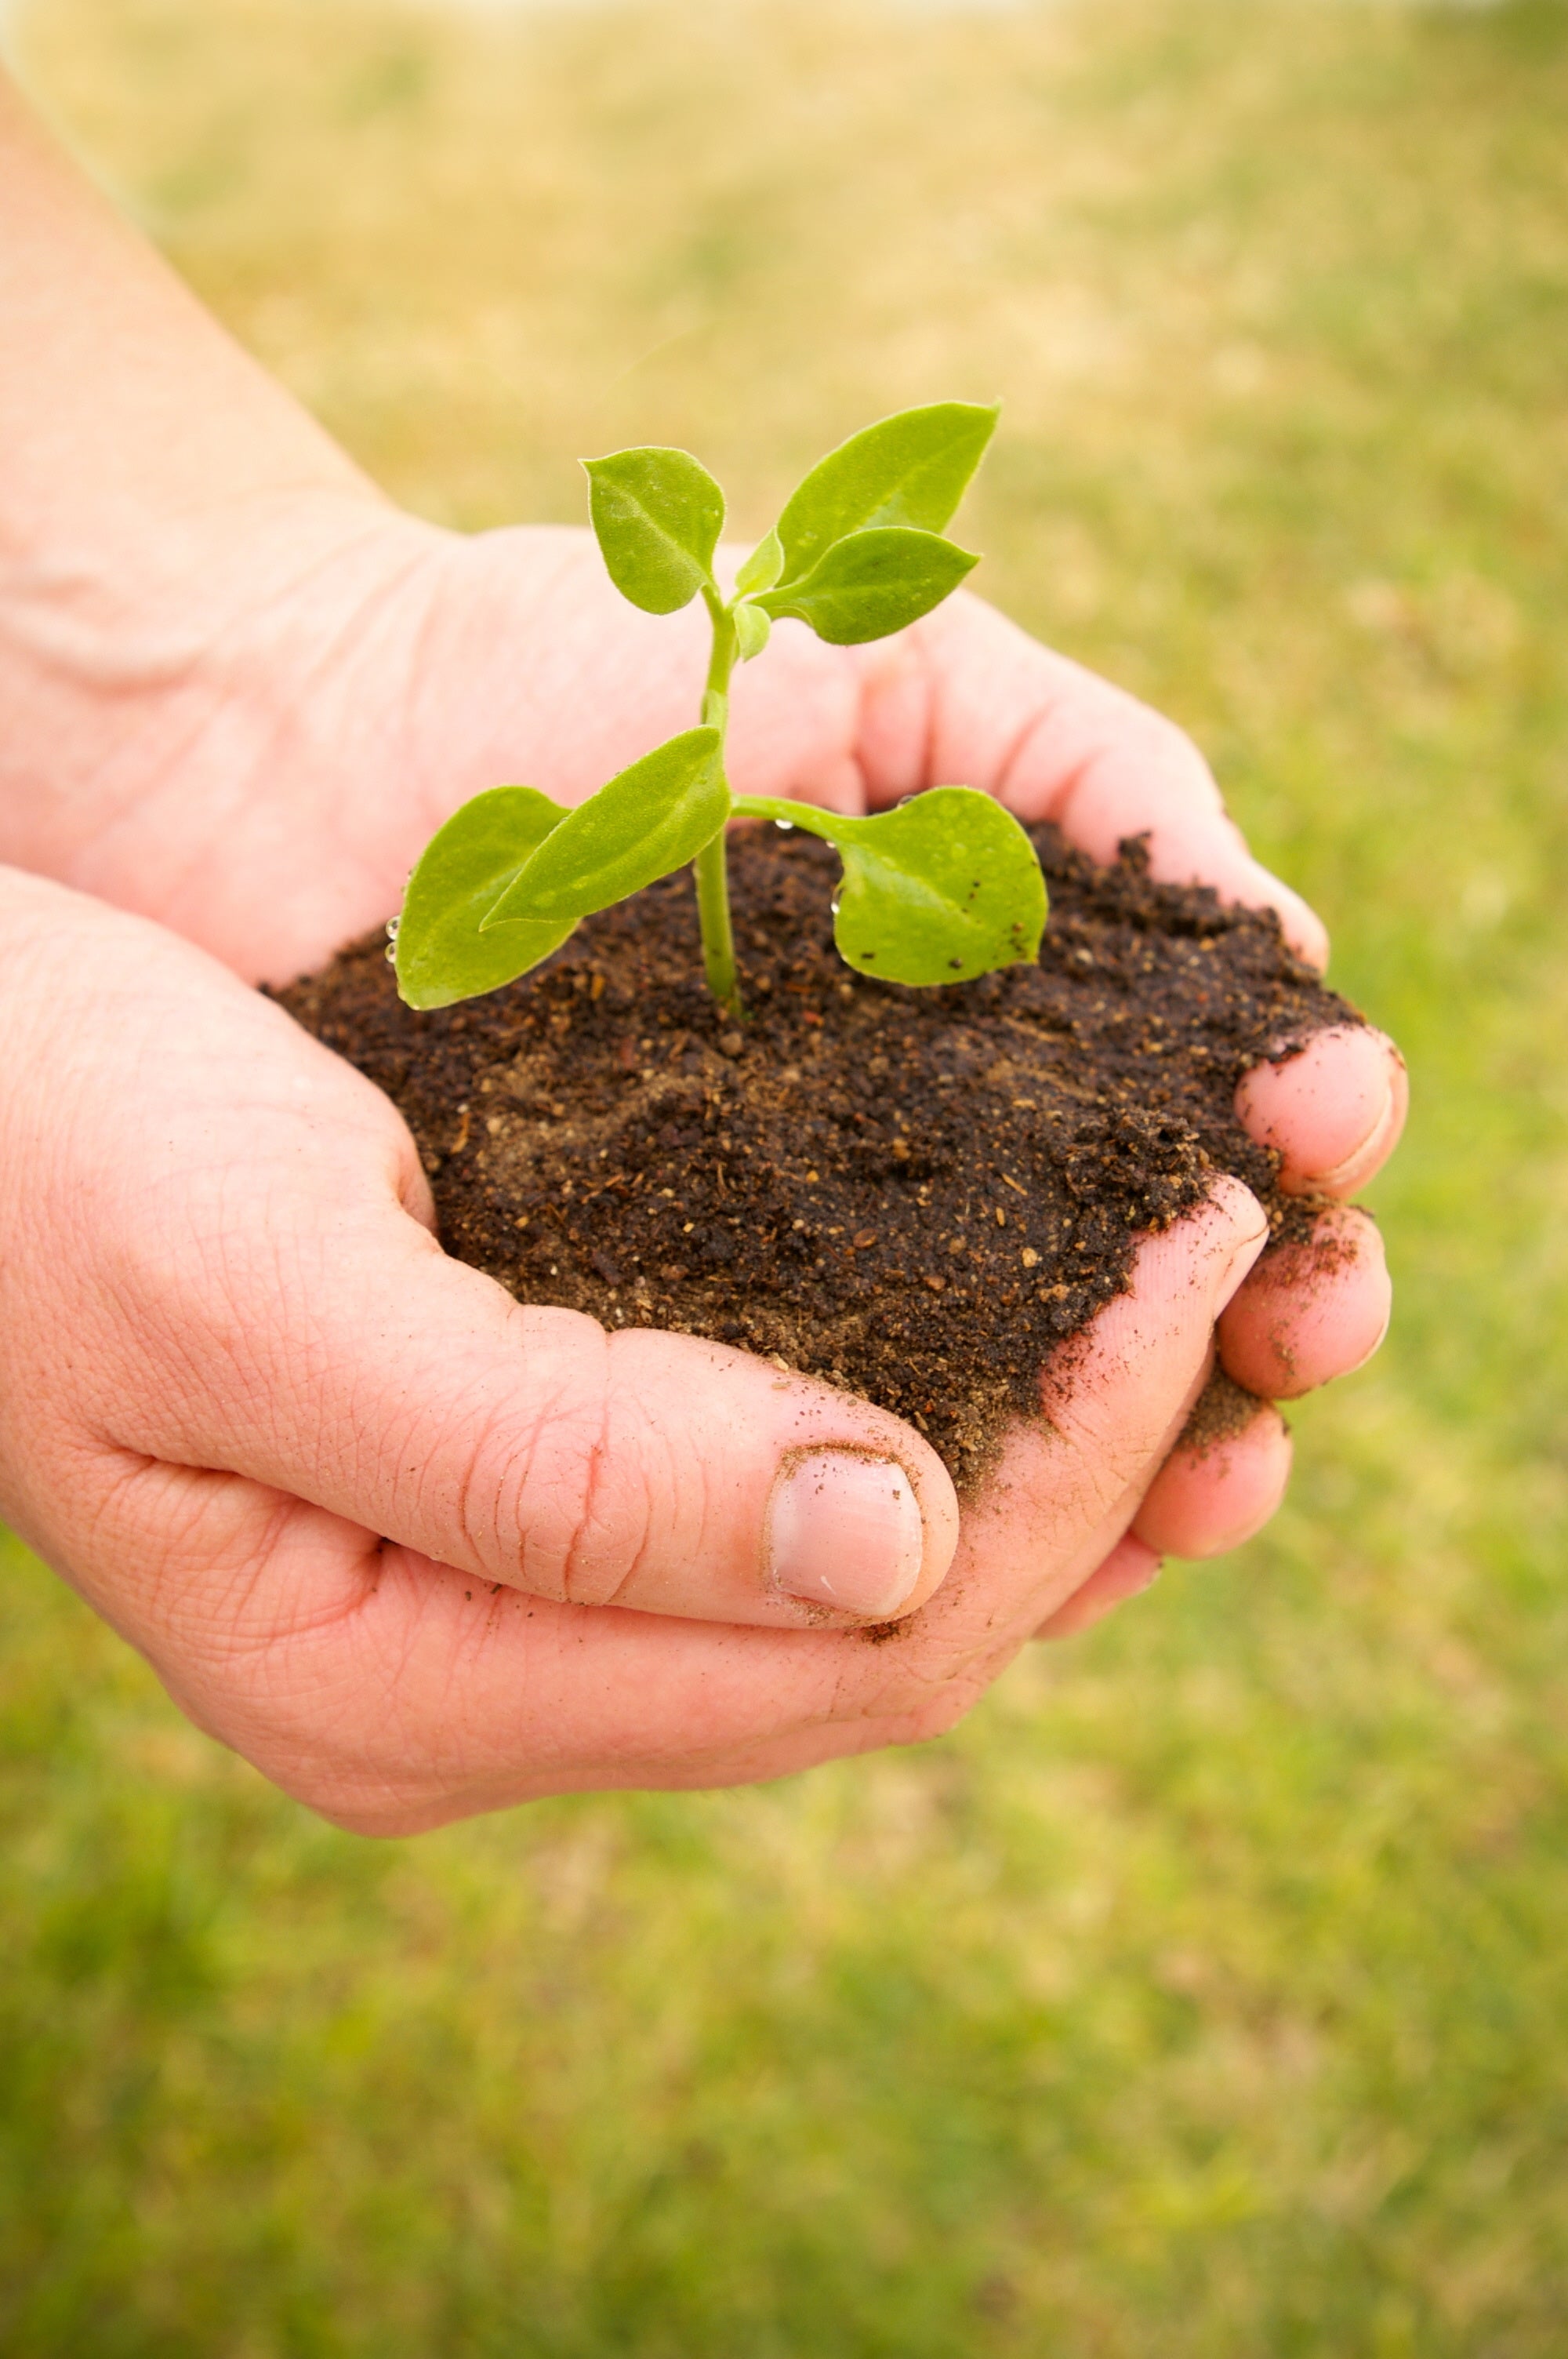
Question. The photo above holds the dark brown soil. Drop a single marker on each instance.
(917, 1194)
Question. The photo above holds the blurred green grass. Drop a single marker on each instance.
(1207, 1993)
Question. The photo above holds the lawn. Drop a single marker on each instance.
(1206, 1996)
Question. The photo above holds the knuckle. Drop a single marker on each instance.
(1167, 748)
(551, 1499)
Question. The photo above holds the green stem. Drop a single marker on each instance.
(834, 827)
(726, 648)
(711, 866)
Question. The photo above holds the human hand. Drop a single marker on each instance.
(285, 813)
(378, 1526)
(241, 692)
(458, 663)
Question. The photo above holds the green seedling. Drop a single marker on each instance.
(943, 888)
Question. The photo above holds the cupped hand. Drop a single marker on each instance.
(272, 795)
(276, 788)
(376, 1525)
(278, 1438)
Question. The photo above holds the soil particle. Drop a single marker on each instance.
(1222, 1410)
(917, 1195)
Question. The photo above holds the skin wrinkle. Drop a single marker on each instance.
(397, 1652)
(886, 1716)
(582, 1535)
(281, 1383)
(910, 1723)
(459, 557)
(433, 778)
(1018, 749)
(649, 1432)
(470, 1423)
(548, 696)
(268, 728)
(616, 1766)
(65, 647)
(205, 1495)
(546, 1422)
(193, 1336)
(1104, 1486)
(484, 1534)
(349, 635)
(810, 1740)
(1073, 1416)
(227, 1600)
(434, 1593)
(1019, 758)
(272, 753)
(194, 669)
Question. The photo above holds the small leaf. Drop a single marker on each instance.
(871, 583)
(941, 889)
(945, 887)
(764, 566)
(441, 953)
(658, 514)
(910, 469)
(753, 630)
(652, 818)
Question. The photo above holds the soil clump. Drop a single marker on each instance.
(919, 1195)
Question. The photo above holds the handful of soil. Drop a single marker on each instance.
(919, 1195)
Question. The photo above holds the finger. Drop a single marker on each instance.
(1127, 1572)
(1309, 1311)
(394, 1691)
(1333, 1112)
(394, 1694)
(408, 1394)
(1064, 1491)
(1213, 1492)
(969, 697)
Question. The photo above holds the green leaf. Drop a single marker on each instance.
(941, 889)
(658, 514)
(871, 583)
(441, 954)
(753, 630)
(911, 469)
(764, 566)
(652, 818)
(945, 887)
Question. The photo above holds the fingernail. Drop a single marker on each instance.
(1334, 1109)
(1344, 1176)
(845, 1531)
(1228, 1273)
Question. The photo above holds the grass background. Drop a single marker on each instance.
(1208, 1993)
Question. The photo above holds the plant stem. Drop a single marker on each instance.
(725, 647)
(713, 916)
(711, 867)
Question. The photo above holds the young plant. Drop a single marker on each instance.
(945, 887)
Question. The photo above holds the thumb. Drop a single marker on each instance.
(354, 1366)
(217, 1255)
